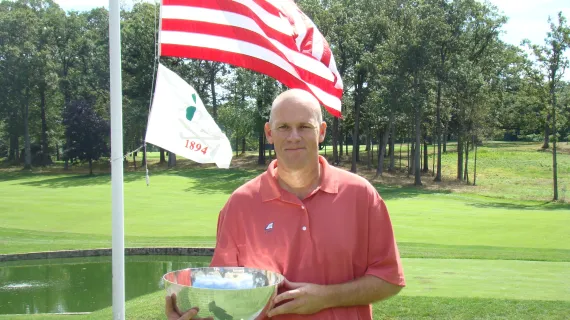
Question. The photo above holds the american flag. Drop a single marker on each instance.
(272, 37)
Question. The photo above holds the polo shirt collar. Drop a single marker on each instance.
(271, 190)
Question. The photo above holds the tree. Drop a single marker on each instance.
(553, 64)
(87, 131)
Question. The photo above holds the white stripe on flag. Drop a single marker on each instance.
(318, 45)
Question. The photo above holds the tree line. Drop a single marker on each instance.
(420, 72)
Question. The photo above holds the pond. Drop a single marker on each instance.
(81, 284)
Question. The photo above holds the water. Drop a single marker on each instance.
(81, 284)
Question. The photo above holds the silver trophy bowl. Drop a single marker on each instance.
(224, 293)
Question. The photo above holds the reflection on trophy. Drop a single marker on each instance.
(224, 293)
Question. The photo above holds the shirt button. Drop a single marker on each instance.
(303, 207)
(304, 228)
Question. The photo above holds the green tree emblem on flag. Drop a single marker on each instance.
(191, 110)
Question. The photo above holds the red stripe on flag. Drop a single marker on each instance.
(326, 58)
(244, 61)
(251, 37)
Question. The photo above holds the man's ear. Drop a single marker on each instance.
(322, 131)
(268, 133)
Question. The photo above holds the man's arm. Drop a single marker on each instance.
(362, 291)
(307, 298)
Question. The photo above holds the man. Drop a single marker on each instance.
(325, 229)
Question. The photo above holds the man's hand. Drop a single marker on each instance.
(173, 313)
(305, 298)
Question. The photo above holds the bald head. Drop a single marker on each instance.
(299, 98)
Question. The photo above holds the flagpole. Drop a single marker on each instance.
(118, 251)
(159, 28)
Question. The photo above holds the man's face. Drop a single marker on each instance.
(295, 132)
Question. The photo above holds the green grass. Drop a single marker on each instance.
(70, 212)
(401, 307)
(496, 251)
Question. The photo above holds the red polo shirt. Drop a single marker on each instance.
(338, 233)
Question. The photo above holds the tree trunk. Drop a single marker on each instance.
(57, 151)
(261, 132)
(90, 167)
(340, 143)
(417, 172)
(401, 153)
(466, 172)
(368, 149)
(143, 162)
(243, 145)
(545, 145)
(475, 161)
(438, 132)
(237, 146)
(65, 153)
(433, 161)
(171, 160)
(355, 144)
(135, 160)
(382, 150)
(459, 158)
(421, 156)
(392, 143)
(261, 153)
(554, 138)
(162, 157)
(411, 166)
(346, 143)
(27, 147)
(213, 89)
(13, 153)
(426, 156)
(372, 152)
(335, 141)
(45, 157)
(445, 137)
(409, 162)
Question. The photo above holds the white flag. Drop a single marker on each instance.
(180, 123)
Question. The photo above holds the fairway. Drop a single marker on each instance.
(466, 255)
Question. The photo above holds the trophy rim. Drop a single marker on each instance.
(280, 278)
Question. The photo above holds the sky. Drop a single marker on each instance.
(528, 19)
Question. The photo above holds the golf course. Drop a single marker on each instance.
(497, 250)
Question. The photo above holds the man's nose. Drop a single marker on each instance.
(294, 135)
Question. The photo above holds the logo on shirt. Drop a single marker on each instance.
(269, 227)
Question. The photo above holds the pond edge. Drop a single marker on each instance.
(175, 251)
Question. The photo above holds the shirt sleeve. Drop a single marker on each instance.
(226, 251)
(383, 256)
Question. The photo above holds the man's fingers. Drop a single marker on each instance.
(287, 295)
(189, 314)
(175, 304)
(292, 285)
(284, 308)
(171, 305)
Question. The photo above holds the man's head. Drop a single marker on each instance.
(296, 128)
